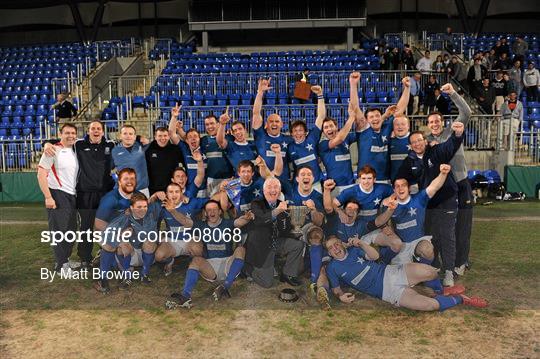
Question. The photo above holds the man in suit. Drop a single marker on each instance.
(270, 235)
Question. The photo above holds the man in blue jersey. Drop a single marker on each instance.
(374, 132)
(399, 144)
(356, 267)
(334, 150)
(271, 134)
(131, 154)
(126, 240)
(409, 217)
(303, 150)
(115, 202)
(304, 193)
(178, 213)
(180, 177)
(237, 147)
(220, 261)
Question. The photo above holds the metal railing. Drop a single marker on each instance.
(437, 42)
(527, 148)
(105, 50)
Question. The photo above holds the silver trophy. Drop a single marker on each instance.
(298, 218)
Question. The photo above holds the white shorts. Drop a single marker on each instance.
(202, 193)
(221, 266)
(394, 283)
(136, 258)
(180, 248)
(406, 253)
(510, 123)
(371, 236)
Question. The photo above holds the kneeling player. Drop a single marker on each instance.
(391, 283)
(177, 213)
(220, 262)
(133, 249)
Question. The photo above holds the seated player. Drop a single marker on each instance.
(334, 150)
(178, 213)
(141, 219)
(237, 147)
(369, 196)
(115, 202)
(356, 267)
(303, 150)
(303, 193)
(409, 218)
(220, 262)
(373, 133)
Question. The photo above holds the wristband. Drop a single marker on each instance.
(320, 97)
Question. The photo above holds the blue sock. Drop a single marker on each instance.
(192, 275)
(434, 284)
(315, 257)
(125, 261)
(106, 261)
(425, 260)
(235, 269)
(148, 259)
(448, 302)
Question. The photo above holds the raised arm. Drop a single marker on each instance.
(278, 163)
(344, 132)
(360, 122)
(404, 99)
(321, 107)
(384, 217)
(199, 177)
(179, 216)
(328, 186)
(220, 136)
(464, 111)
(173, 123)
(438, 182)
(264, 85)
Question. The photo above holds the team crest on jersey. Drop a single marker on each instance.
(430, 164)
(107, 151)
(154, 155)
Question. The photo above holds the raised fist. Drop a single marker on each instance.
(445, 169)
(309, 204)
(406, 81)
(354, 77)
(276, 148)
(447, 88)
(329, 184)
(317, 90)
(223, 119)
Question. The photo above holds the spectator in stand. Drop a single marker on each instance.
(474, 78)
(491, 58)
(520, 48)
(501, 90)
(498, 49)
(512, 117)
(457, 71)
(446, 60)
(531, 81)
(505, 48)
(485, 97)
(441, 103)
(65, 110)
(430, 100)
(503, 63)
(424, 64)
(448, 39)
(414, 99)
(393, 59)
(486, 60)
(515, 83)
(438, 65)
(407, 58)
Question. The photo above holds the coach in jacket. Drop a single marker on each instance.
(422, 166)
(270, 234)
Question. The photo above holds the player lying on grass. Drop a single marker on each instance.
(220, 262)
(356, 267)
(135, 250)
(408, 219)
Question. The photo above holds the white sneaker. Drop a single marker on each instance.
(448, 280)
(460, 270)
(66, 272)
(74, 264)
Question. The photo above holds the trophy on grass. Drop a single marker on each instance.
(298, 218)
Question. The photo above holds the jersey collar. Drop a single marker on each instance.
(405, 136)
(406, 201)
(364, 191)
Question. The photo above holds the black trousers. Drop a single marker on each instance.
(441, 224)
(464, 222)
(63, 218)
(87, 204)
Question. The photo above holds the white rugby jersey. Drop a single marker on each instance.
(63, 168)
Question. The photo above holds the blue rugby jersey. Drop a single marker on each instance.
(305, 153)
(337, 160)
(369, 201)
(217, 247)
(133, 158)
(191, 164)
(399, 149)
(112, 205)
(410, 215)
(263, 141)
(237, 152)
(357, 272)
(217, 164)
(373, 149)
(250, 192)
